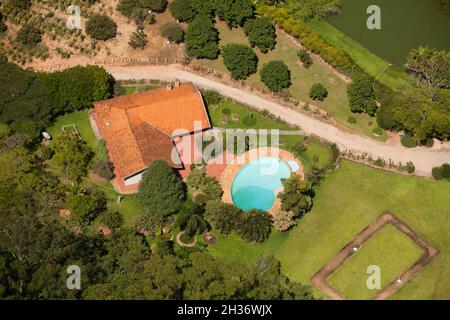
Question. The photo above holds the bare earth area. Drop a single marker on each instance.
(320, 277)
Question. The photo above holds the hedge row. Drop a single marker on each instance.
(309, 38)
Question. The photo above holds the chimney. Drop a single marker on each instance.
(169, 87)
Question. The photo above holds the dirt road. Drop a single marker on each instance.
(423, 158)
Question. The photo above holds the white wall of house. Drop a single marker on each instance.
(134, 179)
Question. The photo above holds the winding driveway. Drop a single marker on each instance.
(423, 158)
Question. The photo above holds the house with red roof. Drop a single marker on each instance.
(144, 127)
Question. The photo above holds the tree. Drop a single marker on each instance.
(101, 27)
(276, 75)
(305, 58)
(138, 40)
(112, 219)
(29, 36)
(140, 16)
(283, 220)
(202, 39)
(222, 216)
(126, 7)
(296, 196)
(240, 60)
(430, 68)
(73, 155)
(182, 10)
(161, 190)
(84, 208)
(173, 32)
(76, 88)
(261, 33)
(234, 12)
(103, 169)
(361, 95)
(255, 226)
(155, 5)
(318, 92)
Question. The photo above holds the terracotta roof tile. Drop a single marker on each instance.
(138, 128)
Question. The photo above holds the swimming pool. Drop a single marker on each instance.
(254, 186)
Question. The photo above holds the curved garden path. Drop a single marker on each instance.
(423, 158)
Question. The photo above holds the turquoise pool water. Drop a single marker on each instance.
(254, 186)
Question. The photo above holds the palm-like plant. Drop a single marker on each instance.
(255, 226)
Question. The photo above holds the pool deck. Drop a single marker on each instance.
(226, 179)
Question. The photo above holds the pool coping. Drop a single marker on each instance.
(227, 176)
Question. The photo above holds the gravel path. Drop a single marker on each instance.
(423, 158)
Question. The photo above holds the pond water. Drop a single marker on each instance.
(405, 25)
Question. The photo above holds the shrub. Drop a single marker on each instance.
(305, 58)
(318, 92)
(112, 219)
(103, 169)
(410, 168)
(212, 98)
(240, 60)
(202, 39)
(207, 185)
(408, 141)
(442, 172)
(261, 33)
(276, 75)
(249, 120)
(138, 40)
(151, 222)
(126, 7)
(29, 36)
(283, 220)
(296, 196)
(173, 32)
(161, 190)
(101, 27)
(352, 120)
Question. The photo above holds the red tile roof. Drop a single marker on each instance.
(138, 128)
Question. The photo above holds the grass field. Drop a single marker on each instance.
(286, 50)
(346, 202)
(390, 249)
(392, 76)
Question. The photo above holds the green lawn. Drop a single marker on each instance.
(286, 50)
(315, 151)
(390, 249)
(346, 202)
(394, 76)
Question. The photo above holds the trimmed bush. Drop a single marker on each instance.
(261, 34)
(442, 172)
(318, 92)
(352, 120)
(408, 141)
(182, 10)
(202, 39)
(410, 168)
(101, 27)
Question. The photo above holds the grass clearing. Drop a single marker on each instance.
(345, 203)
(390, 249)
